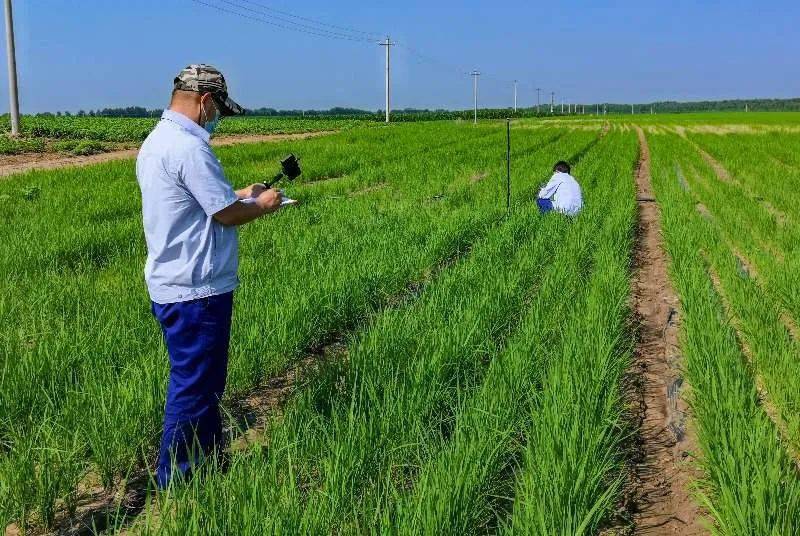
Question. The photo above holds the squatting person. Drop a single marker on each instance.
(190, 214)
(562, 193)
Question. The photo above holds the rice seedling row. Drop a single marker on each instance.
(750, 484)
(123, 387)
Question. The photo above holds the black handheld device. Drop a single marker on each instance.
(290, 170)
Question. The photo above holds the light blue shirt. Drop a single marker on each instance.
(190, 255)
(565, 193)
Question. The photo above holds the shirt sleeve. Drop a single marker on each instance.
(550, 188)
(203, 176)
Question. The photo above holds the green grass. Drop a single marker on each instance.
(750, 484)
(336, 261)
(480, 385)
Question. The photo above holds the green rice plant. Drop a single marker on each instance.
(466, 486)
(750, 484)
(569, 481)
(351, 429)
(739, 222)
(93, 343)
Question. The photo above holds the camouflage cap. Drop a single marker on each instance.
(203, 78)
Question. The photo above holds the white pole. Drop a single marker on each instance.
(388, 44)
(515, 96)
(552, 100)
(13, 94)
(475, 75)
(538, 99)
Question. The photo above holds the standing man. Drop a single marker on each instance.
(562, 193)
(190, 214)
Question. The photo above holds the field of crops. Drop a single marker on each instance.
(86, 135)
(446, 367)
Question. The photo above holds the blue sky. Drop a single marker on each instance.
(97, 53)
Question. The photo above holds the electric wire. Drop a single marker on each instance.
(265, 15)
(318, 33)
(312, 21)
(335, 34)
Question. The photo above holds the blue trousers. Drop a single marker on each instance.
(197, 334)
(545, 205)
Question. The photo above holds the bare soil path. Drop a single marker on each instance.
(662, 503)
(19, 163)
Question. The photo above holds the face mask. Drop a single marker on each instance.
(210, 124)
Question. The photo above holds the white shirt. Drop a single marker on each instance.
(189, 254)
(565, 193)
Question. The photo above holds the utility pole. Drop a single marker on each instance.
(596, 109)
(538, 94)
(13, 95)
(475, 74)
(515, 96)
(632, 112)
(562, 106)
(388, 44)
(552, 101)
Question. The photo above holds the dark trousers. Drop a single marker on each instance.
(197, 334)
(545, 205)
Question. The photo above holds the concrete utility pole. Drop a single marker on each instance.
(515, 96)
(475, 74)
(538, 101)
(562, 106)
(13, 95)
(552, 100)
(632, 112)
(388, 44)
(596, 109)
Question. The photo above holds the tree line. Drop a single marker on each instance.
(753, 105)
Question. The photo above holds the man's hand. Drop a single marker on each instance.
(269, 200)
(242, 212)
(254, 190)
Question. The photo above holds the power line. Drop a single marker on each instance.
(434, 61)
(265, 15)
(332, 33)
(312, 21)
(318, 33)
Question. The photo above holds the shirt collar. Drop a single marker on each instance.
(186, 124)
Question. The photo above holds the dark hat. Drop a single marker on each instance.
(203, 78)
